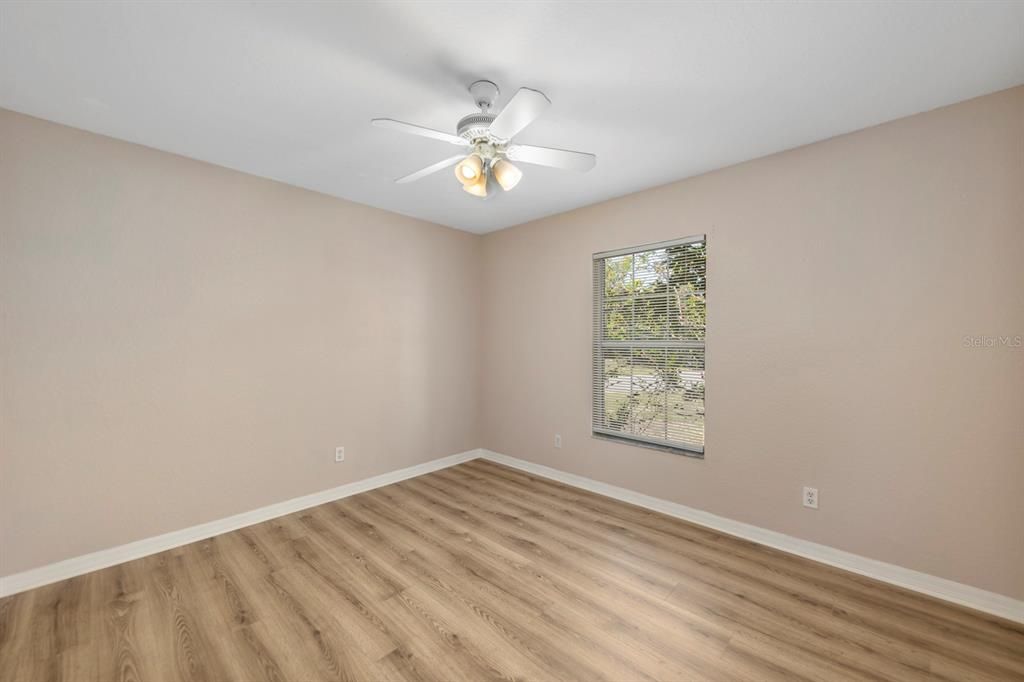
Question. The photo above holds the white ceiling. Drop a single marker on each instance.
(659, 91)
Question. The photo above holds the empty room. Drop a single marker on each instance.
(535, 341)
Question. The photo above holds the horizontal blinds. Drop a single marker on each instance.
(650, 314)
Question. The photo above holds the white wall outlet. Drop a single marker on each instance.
(811, 497)
(558, 440)
(339, 454)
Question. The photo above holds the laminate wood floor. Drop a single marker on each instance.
(482, 572)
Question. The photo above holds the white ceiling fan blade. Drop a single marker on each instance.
(522, 110)
(419, 130)
(555, 158)
(433, 168)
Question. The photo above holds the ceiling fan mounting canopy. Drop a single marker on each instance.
(489, 138)
(485, 93)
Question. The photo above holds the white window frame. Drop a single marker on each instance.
(599, 344)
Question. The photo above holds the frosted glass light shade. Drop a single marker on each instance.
(507, 174)
(469, 169)
(478, 188)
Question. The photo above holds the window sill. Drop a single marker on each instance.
(694, 454)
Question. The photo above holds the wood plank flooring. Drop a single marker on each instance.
(482, 572)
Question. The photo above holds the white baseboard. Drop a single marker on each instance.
(69, 568)
(948, 590)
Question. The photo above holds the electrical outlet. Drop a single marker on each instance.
(339, 454)
(558, 440)
(811, 497)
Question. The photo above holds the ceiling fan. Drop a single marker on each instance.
(488, 138)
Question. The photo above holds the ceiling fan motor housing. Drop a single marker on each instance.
(474, 127)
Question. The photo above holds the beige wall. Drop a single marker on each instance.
(843, 278)
(181, 342)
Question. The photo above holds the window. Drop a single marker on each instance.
(649, 321)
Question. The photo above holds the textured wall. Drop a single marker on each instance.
(181, 342)
(843, 279)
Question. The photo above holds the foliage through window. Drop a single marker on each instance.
(650, 312)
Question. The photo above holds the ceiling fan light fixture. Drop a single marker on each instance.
(469, 170)
(477, 188)
(507, 174)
